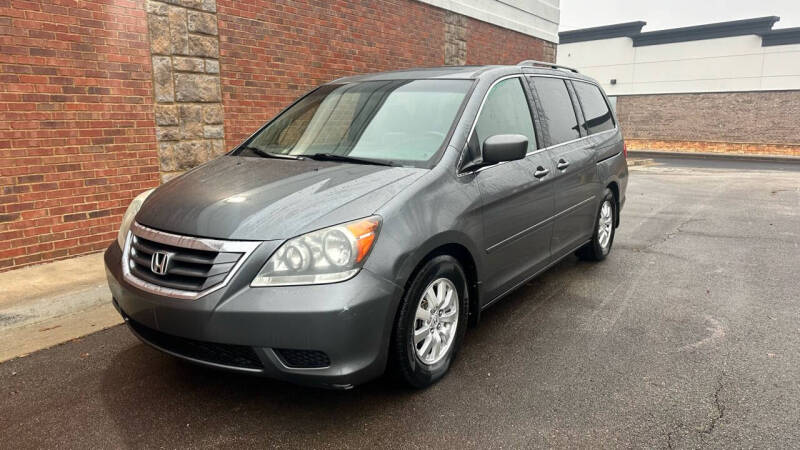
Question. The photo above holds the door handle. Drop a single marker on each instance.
(541, 172)
(562, 164)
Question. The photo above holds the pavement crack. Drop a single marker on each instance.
(668, 235)
(719, 409)
(648, 250)
(673, 433)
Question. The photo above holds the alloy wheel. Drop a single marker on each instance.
(435, 321)
(605, 225)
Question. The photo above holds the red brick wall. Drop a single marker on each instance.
(272, 53)
(77, 131)
(76, 124)
(490, 44)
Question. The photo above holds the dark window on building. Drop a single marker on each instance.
(505, 111)
(595, 109)
(556, 110)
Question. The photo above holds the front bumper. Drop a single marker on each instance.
(350, 322)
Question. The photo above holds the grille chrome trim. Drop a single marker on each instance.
(188, 242)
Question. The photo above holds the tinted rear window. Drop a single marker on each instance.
(595, 109)
(556, 110)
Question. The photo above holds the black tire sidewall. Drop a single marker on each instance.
(414, 371)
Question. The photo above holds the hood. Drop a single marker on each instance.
(247, 198)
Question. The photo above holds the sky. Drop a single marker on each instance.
(660, 14)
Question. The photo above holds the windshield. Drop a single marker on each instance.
(403, 121)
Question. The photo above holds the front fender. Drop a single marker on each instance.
(443, 211)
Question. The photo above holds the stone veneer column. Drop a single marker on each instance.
(455, 39)
(184, 46)
(549, 52)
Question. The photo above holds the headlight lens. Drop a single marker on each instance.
(323, 256)
(130, 213)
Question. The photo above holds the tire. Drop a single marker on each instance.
(604, 230)
(440, 274)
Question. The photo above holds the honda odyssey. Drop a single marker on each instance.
(370, 222)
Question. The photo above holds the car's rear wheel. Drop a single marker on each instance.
(431, 322)
(604, 230)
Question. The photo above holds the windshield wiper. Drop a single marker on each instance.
(265, 154)
(347, 159)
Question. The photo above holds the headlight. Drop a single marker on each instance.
(323, 256)
(130, 213)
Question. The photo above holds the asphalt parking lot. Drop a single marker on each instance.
(688, 335)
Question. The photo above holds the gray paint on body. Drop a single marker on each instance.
(512, 225)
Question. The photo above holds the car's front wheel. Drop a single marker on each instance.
(604, 228)
(431, 322)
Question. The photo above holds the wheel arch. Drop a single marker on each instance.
(459, 250)
(614, 187)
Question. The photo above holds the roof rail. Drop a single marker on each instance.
(533, 62)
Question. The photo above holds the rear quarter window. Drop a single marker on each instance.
(595, 109)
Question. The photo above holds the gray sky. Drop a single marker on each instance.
(660, 14)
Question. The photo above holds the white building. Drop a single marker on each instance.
(731, 86)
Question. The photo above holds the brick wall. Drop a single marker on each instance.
(739, 122)
(86, 123)
(483, 48)
(76, 124)
(272, 53)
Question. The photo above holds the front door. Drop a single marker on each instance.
(517, 196)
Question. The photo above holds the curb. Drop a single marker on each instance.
(723, 156)
(41, 309)
(636, 161)
(48, 304)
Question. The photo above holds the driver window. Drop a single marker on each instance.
(504, 112)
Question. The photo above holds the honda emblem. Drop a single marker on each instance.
(159, 263)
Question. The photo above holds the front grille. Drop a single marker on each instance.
(187, 269)
(225, 354)
(303, 359)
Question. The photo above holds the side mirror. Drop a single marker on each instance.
(504, 147)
